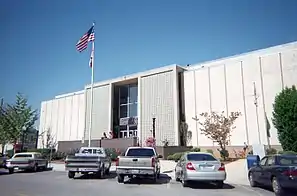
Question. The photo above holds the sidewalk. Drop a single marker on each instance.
(237, 172)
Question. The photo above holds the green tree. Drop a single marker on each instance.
(20, 117)
(285, 118)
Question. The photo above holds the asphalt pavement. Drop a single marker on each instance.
(53, 183)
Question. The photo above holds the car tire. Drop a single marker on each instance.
(252, 181)
(107, 171)
(11, 170)
(100, 174)
(277, 189)
(120, 178)
(71, 175)
(35, 168)
(220, 184)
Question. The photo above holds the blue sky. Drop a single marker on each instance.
(39, 59)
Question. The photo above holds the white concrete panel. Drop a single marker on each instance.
(100, 120)
(190, 110)
(48, 118)
(81, 117)
(54, 121)
(67, 118)
(235, 102)
(272, 85)
(42, 121)
(289, 64)
(251, 72)
(202, 101)
(217, 86)
(74, 117)
(61, 118)
(157, 100)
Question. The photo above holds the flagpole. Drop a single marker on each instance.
(92, 86)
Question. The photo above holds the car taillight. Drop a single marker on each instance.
(153, 162)
(117, 162)
(190, 166)
(290, 173)
(222, 168)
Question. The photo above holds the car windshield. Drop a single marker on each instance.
(200, 157)
(23, 156)
(141, 152)
(290, 160)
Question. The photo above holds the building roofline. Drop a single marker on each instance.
(136, 75)
(69, 94)
(264, 51)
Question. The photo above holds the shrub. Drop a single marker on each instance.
(209, 151)
(287, 152)
(285, 118)
(196, 149)
(113, 153)
(224, 154)
(271, 151)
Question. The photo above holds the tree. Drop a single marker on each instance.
(285, 118)
(20, 117)
(48, 140)
(218, 128)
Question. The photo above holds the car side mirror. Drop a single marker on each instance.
(256, 164)
(160, 156)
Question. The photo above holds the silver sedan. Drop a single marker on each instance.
(200, 166)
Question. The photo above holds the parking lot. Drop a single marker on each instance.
(51, 183)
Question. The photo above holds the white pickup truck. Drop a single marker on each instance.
(140, 162)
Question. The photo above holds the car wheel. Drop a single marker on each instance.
(277, 189)
(100, 174)
(35, 168)
(220, 184)
(177, 178)
(252, 181)
(107, 171)
(10, 170)
(120, 178)
(71, 174)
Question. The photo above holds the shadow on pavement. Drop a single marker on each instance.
(94, 176)
(290, 192)
(164, 179)
(204, 185)
(5, 172)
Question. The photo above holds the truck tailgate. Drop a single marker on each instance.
(82, 161)
(134, 162)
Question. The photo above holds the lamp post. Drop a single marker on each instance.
(154, 127)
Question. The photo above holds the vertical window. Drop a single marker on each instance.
(133, 110)
(133, 94)
(124, 91)
(123, 111)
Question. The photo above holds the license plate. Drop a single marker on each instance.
(16, 168)
(135, 171)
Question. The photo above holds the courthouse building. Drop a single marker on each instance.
(126, 105)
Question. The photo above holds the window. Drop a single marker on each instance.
(97, 151)
(141, 152)
(132, 110)
(270, 161)
(263, 161)
(200, 157)
(124, 94)
(123, 111)
(289, 160)
(133, 94)
(23, 156)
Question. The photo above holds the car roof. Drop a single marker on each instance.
(200, 153)
(137, 147)
(27, 153)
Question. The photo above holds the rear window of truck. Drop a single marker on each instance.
(141, 152)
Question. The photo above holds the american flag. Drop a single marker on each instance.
(89, 36)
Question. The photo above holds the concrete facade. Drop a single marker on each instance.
(221, 85)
